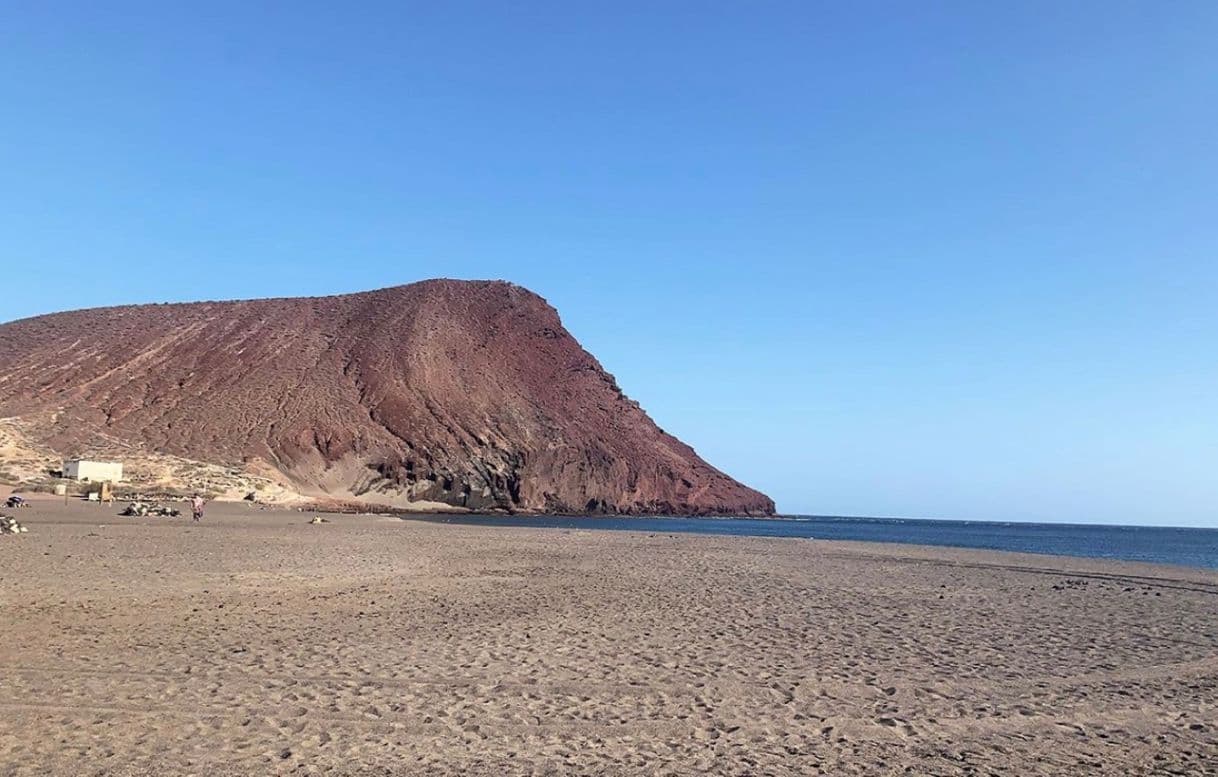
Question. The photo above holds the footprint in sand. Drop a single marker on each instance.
(897, 724)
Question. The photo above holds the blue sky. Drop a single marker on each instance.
(939, 259)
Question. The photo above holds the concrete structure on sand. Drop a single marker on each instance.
(94, 471)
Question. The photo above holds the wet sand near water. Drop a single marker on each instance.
(254, 643)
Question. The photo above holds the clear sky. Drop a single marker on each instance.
(921, 259)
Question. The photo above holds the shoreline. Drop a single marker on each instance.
(1196, 549)
(1020, 538)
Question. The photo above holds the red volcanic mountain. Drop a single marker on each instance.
(467, 393)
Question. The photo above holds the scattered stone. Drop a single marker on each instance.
(9, 525)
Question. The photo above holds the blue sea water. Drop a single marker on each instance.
(1163, 545)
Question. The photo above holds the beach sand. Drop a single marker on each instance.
(254, 643)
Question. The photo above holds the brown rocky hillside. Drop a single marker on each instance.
(467, 393)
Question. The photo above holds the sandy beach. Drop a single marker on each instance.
(254, 643)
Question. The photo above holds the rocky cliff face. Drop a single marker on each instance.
(466, 393)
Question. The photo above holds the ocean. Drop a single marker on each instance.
(1162, 545)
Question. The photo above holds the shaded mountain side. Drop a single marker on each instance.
(467, 393)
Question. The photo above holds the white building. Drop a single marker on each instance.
(94, 471)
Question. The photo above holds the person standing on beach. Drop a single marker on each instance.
(196, 505)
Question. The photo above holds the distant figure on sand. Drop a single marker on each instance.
(196, 504)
